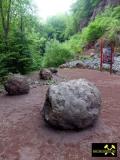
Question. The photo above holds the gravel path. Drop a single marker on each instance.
(25, 136)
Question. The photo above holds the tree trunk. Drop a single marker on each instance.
(21, 24)
(5, 23)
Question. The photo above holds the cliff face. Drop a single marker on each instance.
(98, 9)
(102, 5)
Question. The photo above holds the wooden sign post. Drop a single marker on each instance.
(106, 54)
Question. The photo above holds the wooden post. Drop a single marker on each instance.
(112, 54)
(101, 54)
(102, 60)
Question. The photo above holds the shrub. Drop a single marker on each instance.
(56, 54)
(105, 25)
(16, 58)
(37, 61)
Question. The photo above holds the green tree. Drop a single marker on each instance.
(56, 26)
(5, 12)
(82, 11)
(14, 49)
(56, 54)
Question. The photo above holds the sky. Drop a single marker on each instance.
(47, 8)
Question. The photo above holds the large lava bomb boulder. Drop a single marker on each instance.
(16, 84)
(45, 74)
(72, 105)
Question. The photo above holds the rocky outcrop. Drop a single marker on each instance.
(102, 5)
(84, 23)
(16, 84)
(98, 9)
(72, 105)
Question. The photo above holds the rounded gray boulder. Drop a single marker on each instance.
(72, 105)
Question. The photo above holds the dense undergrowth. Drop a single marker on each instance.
(56, 53)
(24, 48)
(105, 25)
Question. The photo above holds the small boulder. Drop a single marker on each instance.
(62, 66)
(80, 65)
(16, 84)
(45, 74)
(53, 70)
(72, 105)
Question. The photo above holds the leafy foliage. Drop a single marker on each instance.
(105, 25)
(82, 9)
(59, 27)
(26, 43)
(19, 42)
(56, 54)
(17, 57)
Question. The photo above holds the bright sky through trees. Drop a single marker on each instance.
(48, 8)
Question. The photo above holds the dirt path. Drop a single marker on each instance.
(25, 136)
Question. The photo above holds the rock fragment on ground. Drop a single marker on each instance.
(45, 74)
(53, 70)
(16, 84)
(73, 64)
(94, 63)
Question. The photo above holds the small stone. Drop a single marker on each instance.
(45, 74)
(53, 70)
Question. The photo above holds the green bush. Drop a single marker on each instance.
(20, 55)
(37, 61)
(74, 43)
(106, 25)
(56, 54)
(16, 58)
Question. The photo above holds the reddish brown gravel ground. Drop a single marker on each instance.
(25, 136)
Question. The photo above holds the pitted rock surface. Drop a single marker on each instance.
(72, 105)
(16, 84)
